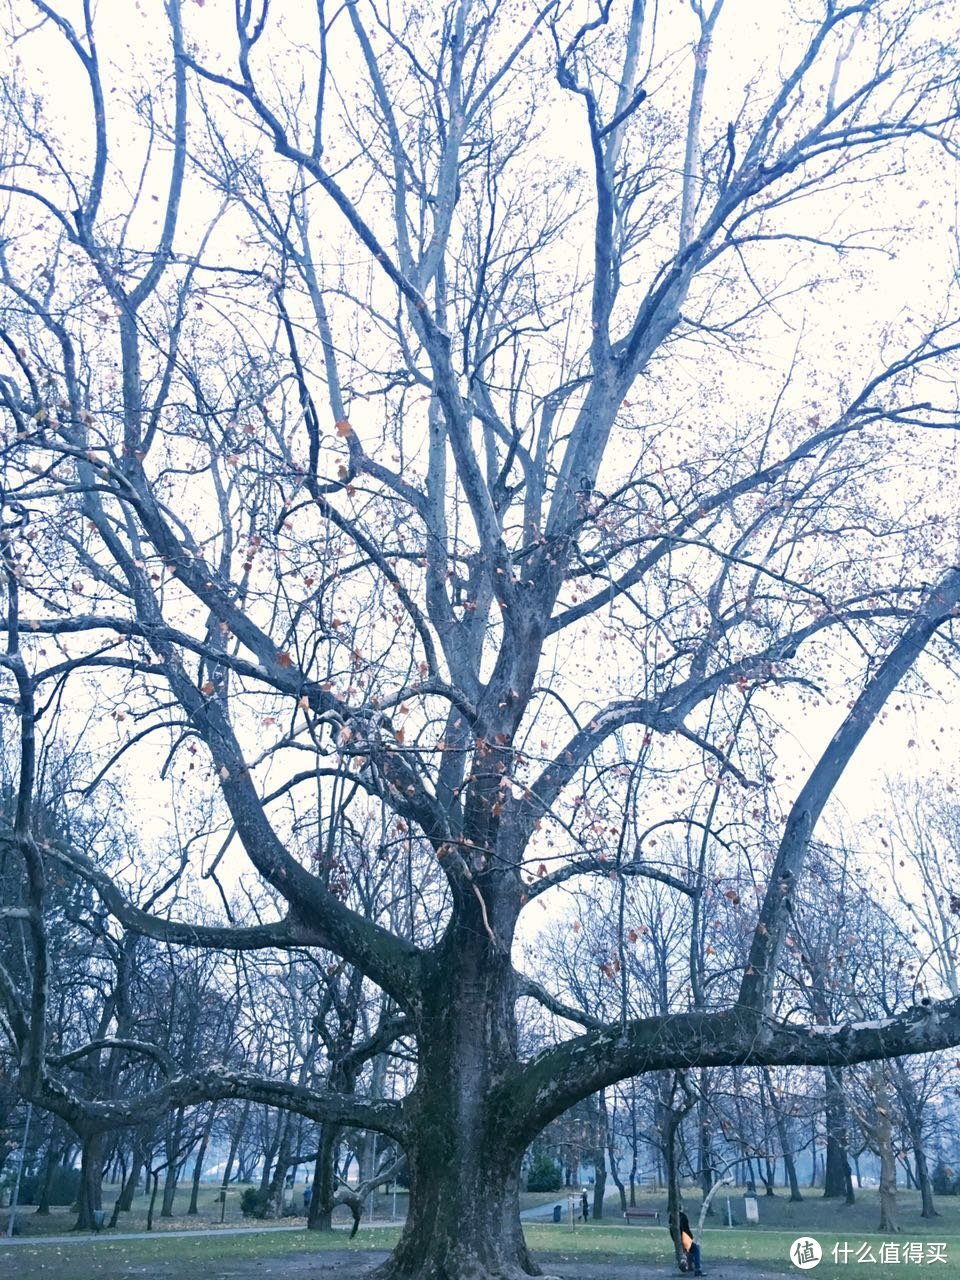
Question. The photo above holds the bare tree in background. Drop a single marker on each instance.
(456, 421)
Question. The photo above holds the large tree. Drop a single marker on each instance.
(470, 425)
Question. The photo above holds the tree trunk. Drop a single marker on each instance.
(49, 1168)
(170, 1180)
(634, 1145)
(790, 1168)
(270, 1151)
(236, 1136)
(883, 1135)
(599, 1184)
(889, 1212)
(282, 1163)
(125, 1198)
(155, 1178)
(174, 1140)
(704, 1139)
(367, 1152)
(928, 1209)
(789, 1165)
(912, 1108)
(129, 1189)
(198, 1164)
(463, 1219)
(615, 1174)
(90, 1199)
(669, 1119)
(673, 1183)
(837, 1180)
(320, 1217)
(614, 1158)
(313, 1209)
(462, 1222)
(599, 1157)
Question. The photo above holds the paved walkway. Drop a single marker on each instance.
(541, 1213)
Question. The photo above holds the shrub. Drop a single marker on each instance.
(64, 1186)
(254, 1203)
(544, 1175)
(944, 1179)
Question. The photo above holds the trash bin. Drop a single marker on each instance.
(99, 1217)
(558, 1213)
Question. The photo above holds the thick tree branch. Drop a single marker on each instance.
(217, 1083)
(941, 604)
(554, 1080)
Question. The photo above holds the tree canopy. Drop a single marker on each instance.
(445, 450)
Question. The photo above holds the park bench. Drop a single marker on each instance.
(639, 1215)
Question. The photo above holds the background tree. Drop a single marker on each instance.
(374, 463)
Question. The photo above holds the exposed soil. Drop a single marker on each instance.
(348, 1266)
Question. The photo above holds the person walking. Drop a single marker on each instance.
(584, 1205)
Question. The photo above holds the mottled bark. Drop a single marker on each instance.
(881, 1132)
(457, 1226)
(463, 1218)
(837, 1181)
(90, 1199)
(320, 1216)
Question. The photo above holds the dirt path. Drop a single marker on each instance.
(344, 1265)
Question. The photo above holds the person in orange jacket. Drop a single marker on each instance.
(690, 1247)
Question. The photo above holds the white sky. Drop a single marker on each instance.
(910, 281)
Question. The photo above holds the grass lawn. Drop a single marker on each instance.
(614, 1251)
(60, 1220)
(608, 1250)
(737, 1249)
(181, 1258)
